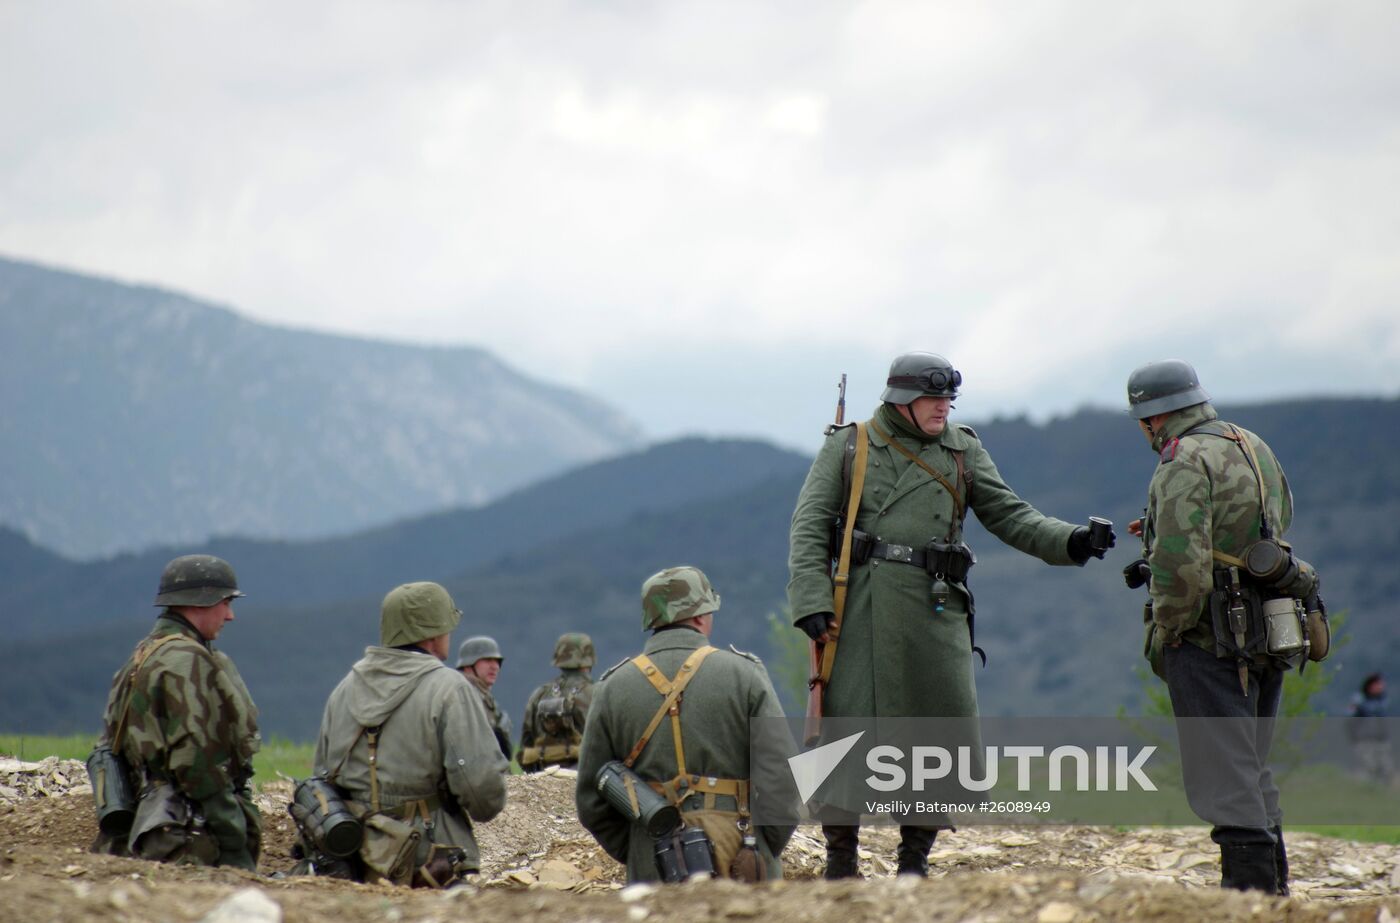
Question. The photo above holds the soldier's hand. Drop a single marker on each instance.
(1135, 528)
(1080, 549)
(816, 625)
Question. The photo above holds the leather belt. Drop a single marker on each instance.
(904, 554)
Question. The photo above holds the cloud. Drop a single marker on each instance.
(591, 189)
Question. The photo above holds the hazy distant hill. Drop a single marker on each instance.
(136, 416)
(1060, 640)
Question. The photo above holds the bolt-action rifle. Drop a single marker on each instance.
(816, 684)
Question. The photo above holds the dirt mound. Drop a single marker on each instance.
(538, 863)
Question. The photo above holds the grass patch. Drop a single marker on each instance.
(277, 755)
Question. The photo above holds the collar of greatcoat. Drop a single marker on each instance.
(675, 639)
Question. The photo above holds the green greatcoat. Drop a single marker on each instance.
(896, 658)
(1204, 496)
(729, 689)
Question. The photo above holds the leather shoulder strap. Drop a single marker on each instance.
(959, 502)
(670, 690)
(841, 580)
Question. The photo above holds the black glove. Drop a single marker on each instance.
(1137, 574)
(816, 624)
(1079, 548)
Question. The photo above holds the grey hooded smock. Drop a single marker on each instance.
(435, 742)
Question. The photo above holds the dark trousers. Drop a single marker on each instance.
(1225, 738)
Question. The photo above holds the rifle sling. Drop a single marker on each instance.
(841, 580)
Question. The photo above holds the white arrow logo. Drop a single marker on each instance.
(810, 769)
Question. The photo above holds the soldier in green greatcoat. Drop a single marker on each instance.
(707, 775)
(905, 638)
(180, 715)
(1216, 491)
(557, 711)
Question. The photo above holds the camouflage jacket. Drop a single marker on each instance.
(1204, 496)
(434, 745)
(190, 722)
(543, 728)
(716, 709)
(495, 714)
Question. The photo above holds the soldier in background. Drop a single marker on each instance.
(181, 717)
(479, 659)
(1203, 512)
(406, 736)
(557, 711)
(707, 772)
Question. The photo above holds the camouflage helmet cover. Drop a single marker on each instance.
(574, 651)
(916, 375)
(197, 580)
(477, 648)
(674, 594)
(1161, 387)
(415, 611)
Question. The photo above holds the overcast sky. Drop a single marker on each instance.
(704, 212)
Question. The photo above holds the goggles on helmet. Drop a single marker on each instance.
(931, 379)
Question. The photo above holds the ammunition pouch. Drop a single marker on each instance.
(950, 560)
(112, 792)
(169, 827)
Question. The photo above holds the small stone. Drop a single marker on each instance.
(250, 905)
(633, 893)
(637, 914)
(1057, 912)
(559, 872)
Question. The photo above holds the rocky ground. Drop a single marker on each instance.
(538, 863)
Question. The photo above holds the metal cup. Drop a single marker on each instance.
(1099, 531)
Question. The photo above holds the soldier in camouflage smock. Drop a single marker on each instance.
(557, 712)
(479, 659)
(905, 644)
(1203, 511)
(180, 715)
(707, 773)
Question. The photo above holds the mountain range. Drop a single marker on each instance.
(137, 417)
(570, 553)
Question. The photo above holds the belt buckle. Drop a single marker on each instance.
(901, 553)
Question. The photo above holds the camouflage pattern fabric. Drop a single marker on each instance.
(728, 689)
(574, 650)
(676, 593)
(191, 723)
(1203, 496)
(495, 715)
(897, 657)
(541, 732)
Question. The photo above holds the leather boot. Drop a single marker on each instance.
(841, 843)
(1280, 862)
(914, 844)
(1248, 867)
